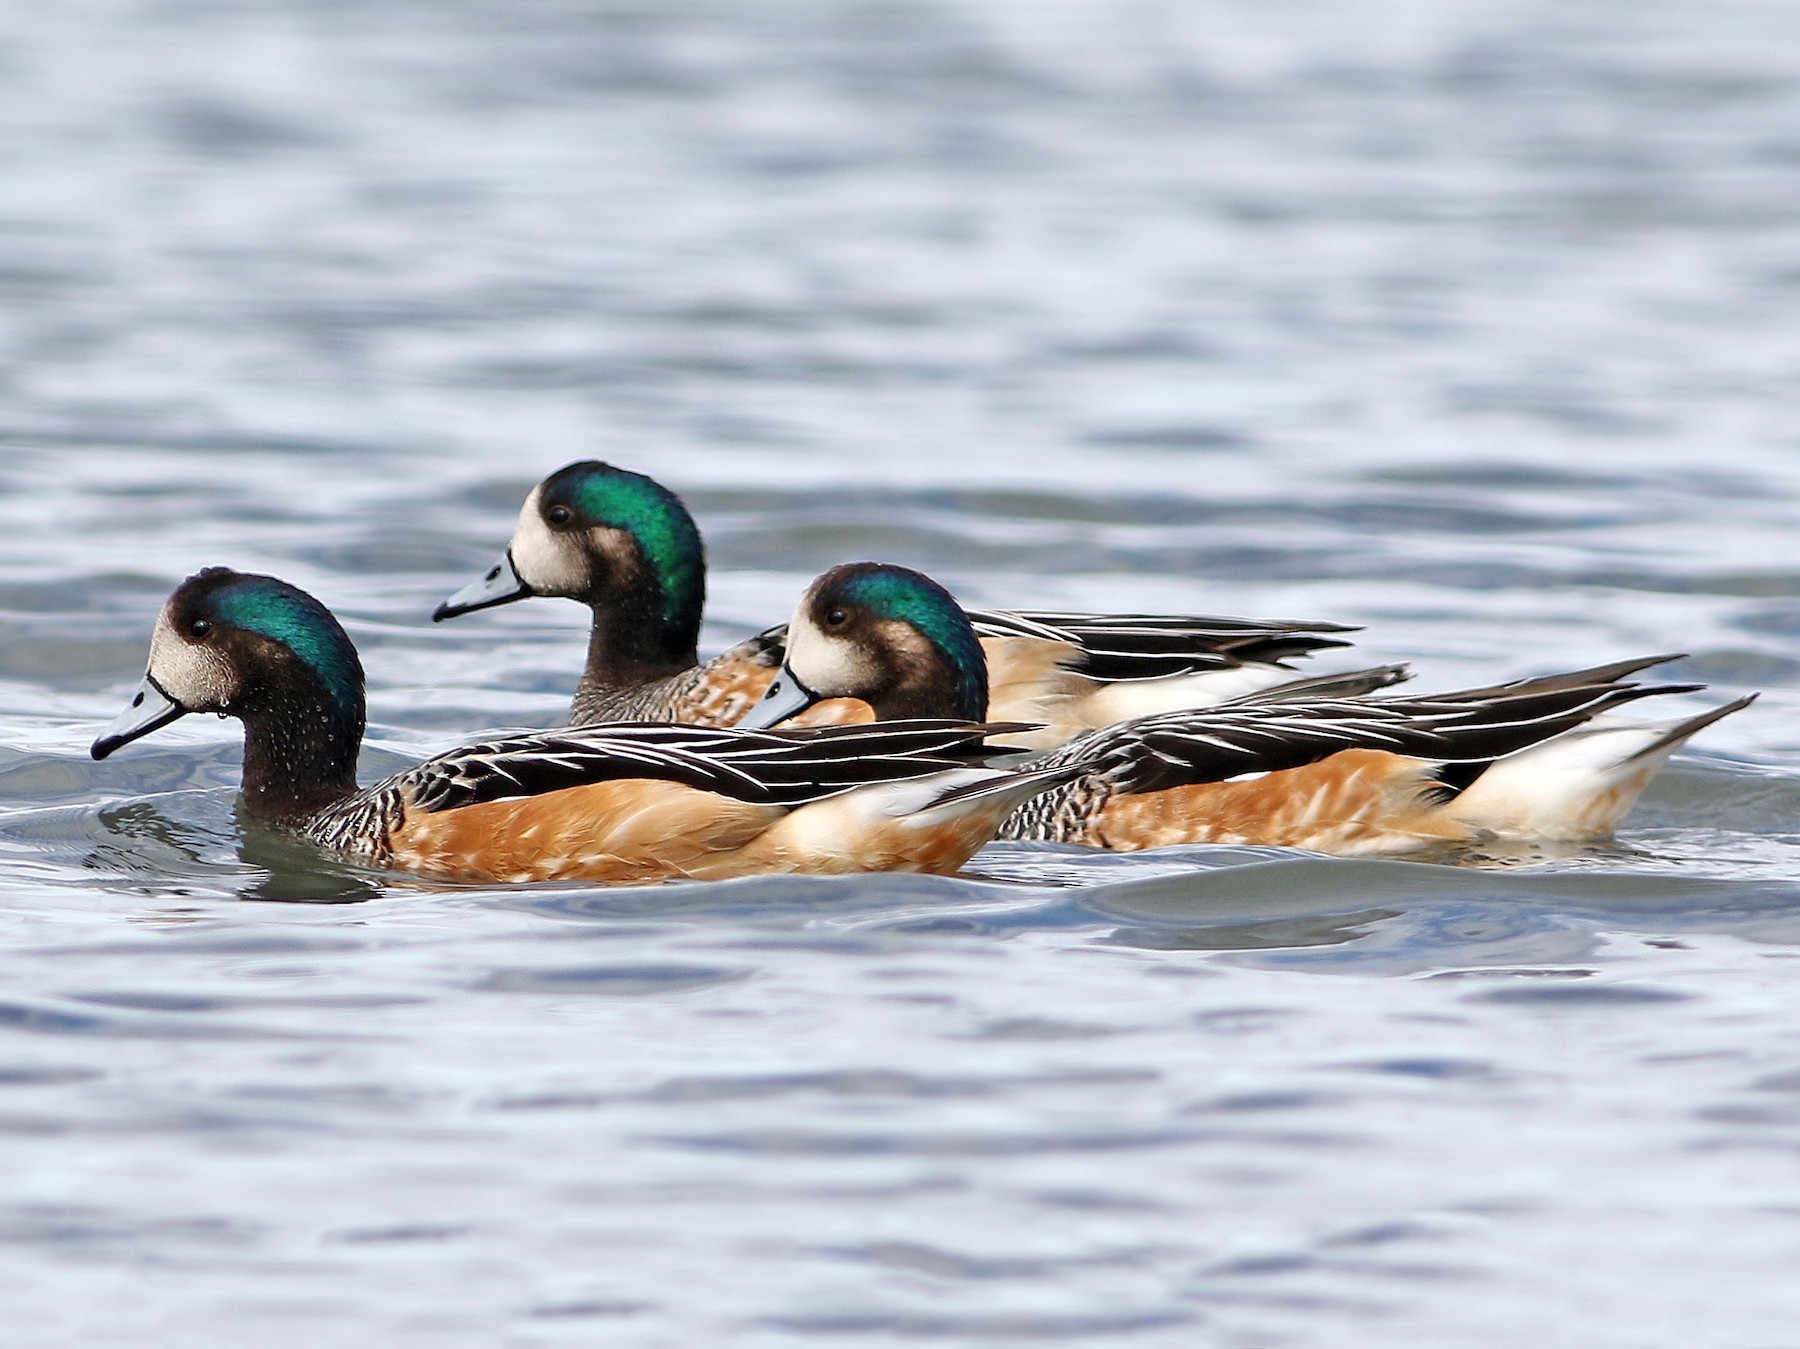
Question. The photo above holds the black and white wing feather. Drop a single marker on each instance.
(779, 767)
(1118, 647)
(1174, 749)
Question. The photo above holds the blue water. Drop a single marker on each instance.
(1471, 323)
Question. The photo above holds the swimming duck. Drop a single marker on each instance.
(626, 546)
(625, 803)
(1335, 775)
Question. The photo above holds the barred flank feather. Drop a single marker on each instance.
(717, 693)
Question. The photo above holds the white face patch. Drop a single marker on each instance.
(197, 676)
(549, 562)
(828, 665)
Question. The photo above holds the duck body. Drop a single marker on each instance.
(1562, 782)
(615, 804)
(694, 824)
(627, 547)
(1300, 767)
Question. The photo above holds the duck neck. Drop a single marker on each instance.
(300, 748)
(931, 689)
(631, 644)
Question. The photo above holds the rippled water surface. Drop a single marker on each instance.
(1469, 322)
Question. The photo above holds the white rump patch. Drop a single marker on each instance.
(1577, 785)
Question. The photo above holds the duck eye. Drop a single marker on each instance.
(559, 515)
(837, 618)
(199, 628)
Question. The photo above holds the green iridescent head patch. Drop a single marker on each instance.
(653, 515)
(915, 599)
(274, 609)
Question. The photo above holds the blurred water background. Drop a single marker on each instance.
(1470, 322)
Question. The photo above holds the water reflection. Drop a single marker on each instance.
(145, 822)
(294, 872)
(1271, 934)
(146, 844)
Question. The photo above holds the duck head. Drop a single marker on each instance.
(617, 541)
(256, 648)
(890, 636)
